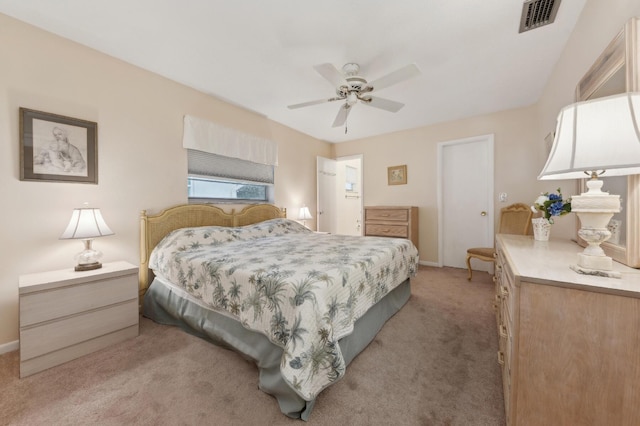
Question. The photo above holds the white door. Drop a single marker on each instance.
(340, 195)
(326, 215)
(465, 208)
(349, 195)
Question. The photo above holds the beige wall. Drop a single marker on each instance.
(514, 135)
(142, 164)
(519, 136)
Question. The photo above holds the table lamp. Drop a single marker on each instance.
(304, 214)
(86, 224)
(593, 138)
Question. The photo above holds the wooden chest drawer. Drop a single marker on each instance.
(400, 231)
(401, 215)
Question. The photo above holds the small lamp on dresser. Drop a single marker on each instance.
(593, 138)
(304, 214)
(86, 224)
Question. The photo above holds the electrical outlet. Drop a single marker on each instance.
(503, 197)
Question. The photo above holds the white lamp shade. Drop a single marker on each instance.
(600, 134)
(86, 223)
(304, 213)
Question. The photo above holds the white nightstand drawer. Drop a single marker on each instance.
(56, 303)
(51, 359)
(55, 335)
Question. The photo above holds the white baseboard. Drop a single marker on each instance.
(9, 347)
(425, 263)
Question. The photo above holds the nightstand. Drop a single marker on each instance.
(66, 314)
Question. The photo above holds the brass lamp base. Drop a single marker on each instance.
(88, 266)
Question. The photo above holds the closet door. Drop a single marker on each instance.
(465, 216)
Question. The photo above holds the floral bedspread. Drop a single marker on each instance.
(303, 290)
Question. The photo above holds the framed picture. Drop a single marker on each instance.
(55, 148)
(397, 175)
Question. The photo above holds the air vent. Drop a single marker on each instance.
(537, 13)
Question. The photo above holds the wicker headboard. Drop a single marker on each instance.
(153, 228)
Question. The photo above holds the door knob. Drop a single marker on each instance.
(483, 213)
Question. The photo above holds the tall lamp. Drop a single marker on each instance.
(593, 138)
(304, 214)
(86, 224)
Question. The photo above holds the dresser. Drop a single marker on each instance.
(392, 221)
(569, 344)
(65, 314)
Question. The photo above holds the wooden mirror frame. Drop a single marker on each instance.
(620, 55)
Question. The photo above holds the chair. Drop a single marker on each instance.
(514, 219)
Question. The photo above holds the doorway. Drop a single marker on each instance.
(340, 190)
(465, 199)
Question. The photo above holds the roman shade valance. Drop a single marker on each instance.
(204, 135)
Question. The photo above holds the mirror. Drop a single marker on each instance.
(615, 71)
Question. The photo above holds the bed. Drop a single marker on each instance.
(300, 304)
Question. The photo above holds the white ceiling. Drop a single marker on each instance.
(260, 54)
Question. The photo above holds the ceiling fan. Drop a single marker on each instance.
(351, 88)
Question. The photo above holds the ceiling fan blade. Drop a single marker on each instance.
(395, 77)
(332, 74)
(343, 113)
(382, 103)
(316, 102)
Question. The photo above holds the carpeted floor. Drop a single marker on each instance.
(434, 363)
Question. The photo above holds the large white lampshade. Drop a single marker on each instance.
(600, 134)
(87, 224)
(593, 138)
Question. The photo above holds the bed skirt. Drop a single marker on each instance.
(163, 305)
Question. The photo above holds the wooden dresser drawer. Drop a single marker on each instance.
(401, 215)
(400, 231)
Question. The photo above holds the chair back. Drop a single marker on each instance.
(515, 219)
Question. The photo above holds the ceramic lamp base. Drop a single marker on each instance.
(595, 209)
(597, 272)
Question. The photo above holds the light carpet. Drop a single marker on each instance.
(433, 363)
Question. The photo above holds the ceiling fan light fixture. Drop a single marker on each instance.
(351, 69)
(350, 87)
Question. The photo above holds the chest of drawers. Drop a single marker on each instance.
(392, 221)
(568, 343)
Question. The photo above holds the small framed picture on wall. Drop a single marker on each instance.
(55, 148)
(397, 175)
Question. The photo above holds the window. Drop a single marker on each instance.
(217, 178)
(351, 178)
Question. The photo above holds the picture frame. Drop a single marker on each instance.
(55, 148)
(397, 175)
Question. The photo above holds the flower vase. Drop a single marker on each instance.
(541, 229)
